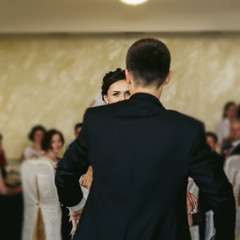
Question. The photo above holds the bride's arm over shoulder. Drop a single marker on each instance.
(192, 203)
(87, 178)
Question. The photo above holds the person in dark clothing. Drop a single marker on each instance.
(11, 209)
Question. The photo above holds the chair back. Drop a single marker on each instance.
(236, 191)
(232, 167)
(42, 212)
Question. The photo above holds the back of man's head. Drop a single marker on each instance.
(148, 61)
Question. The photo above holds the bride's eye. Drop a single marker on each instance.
(127, 93)
(116, 94)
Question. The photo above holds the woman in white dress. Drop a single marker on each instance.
(36, 136)
(52, 144)
(223, 127)
(114, 89)
(49, 221)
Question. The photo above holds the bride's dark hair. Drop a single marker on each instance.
(110, 78)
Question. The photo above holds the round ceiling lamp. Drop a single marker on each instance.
(133, 2)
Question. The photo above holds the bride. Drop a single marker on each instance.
(114, 89)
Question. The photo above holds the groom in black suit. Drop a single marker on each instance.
(142, 156)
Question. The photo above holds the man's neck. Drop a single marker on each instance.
(155, 92)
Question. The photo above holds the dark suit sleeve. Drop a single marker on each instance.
(213, 184)
(73, 165)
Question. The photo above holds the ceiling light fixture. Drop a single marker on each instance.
(133, 2)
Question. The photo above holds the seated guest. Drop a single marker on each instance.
(77, 130)
(223, 128)
(2, 154)
(11, 209)
(36, 136)
(234, 146)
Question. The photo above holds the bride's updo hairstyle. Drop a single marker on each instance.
(110, 78)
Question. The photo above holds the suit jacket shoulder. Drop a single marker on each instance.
(184, 122)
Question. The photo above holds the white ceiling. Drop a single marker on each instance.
(97, 16)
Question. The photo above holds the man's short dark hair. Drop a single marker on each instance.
(1, 137)
(33, 131)
(148, 60)
(78, 125)
(213, 135)
(47, 140)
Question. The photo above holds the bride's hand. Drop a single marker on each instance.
(191, 202)
(75, 216)
(86, 181)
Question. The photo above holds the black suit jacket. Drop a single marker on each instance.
(202, 200)
(142, 156)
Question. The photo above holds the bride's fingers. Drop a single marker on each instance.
(189, 208)
(74, 224)
(190, 204)
(190, 200)
(194, 199)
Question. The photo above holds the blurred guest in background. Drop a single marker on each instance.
(77, 130)
(234, 147)
(3, 161)
(52, 144)
(223, 128)
(239, 111)
(36, 136)
(11, 209)
(212, 141)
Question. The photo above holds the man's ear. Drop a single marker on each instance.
(128, 77)
(168, 78)
(105, 99)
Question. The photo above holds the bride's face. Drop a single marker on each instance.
(117, 92)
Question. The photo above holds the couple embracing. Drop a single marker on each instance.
(142, 156)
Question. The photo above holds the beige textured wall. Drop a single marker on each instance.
(52, 80)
